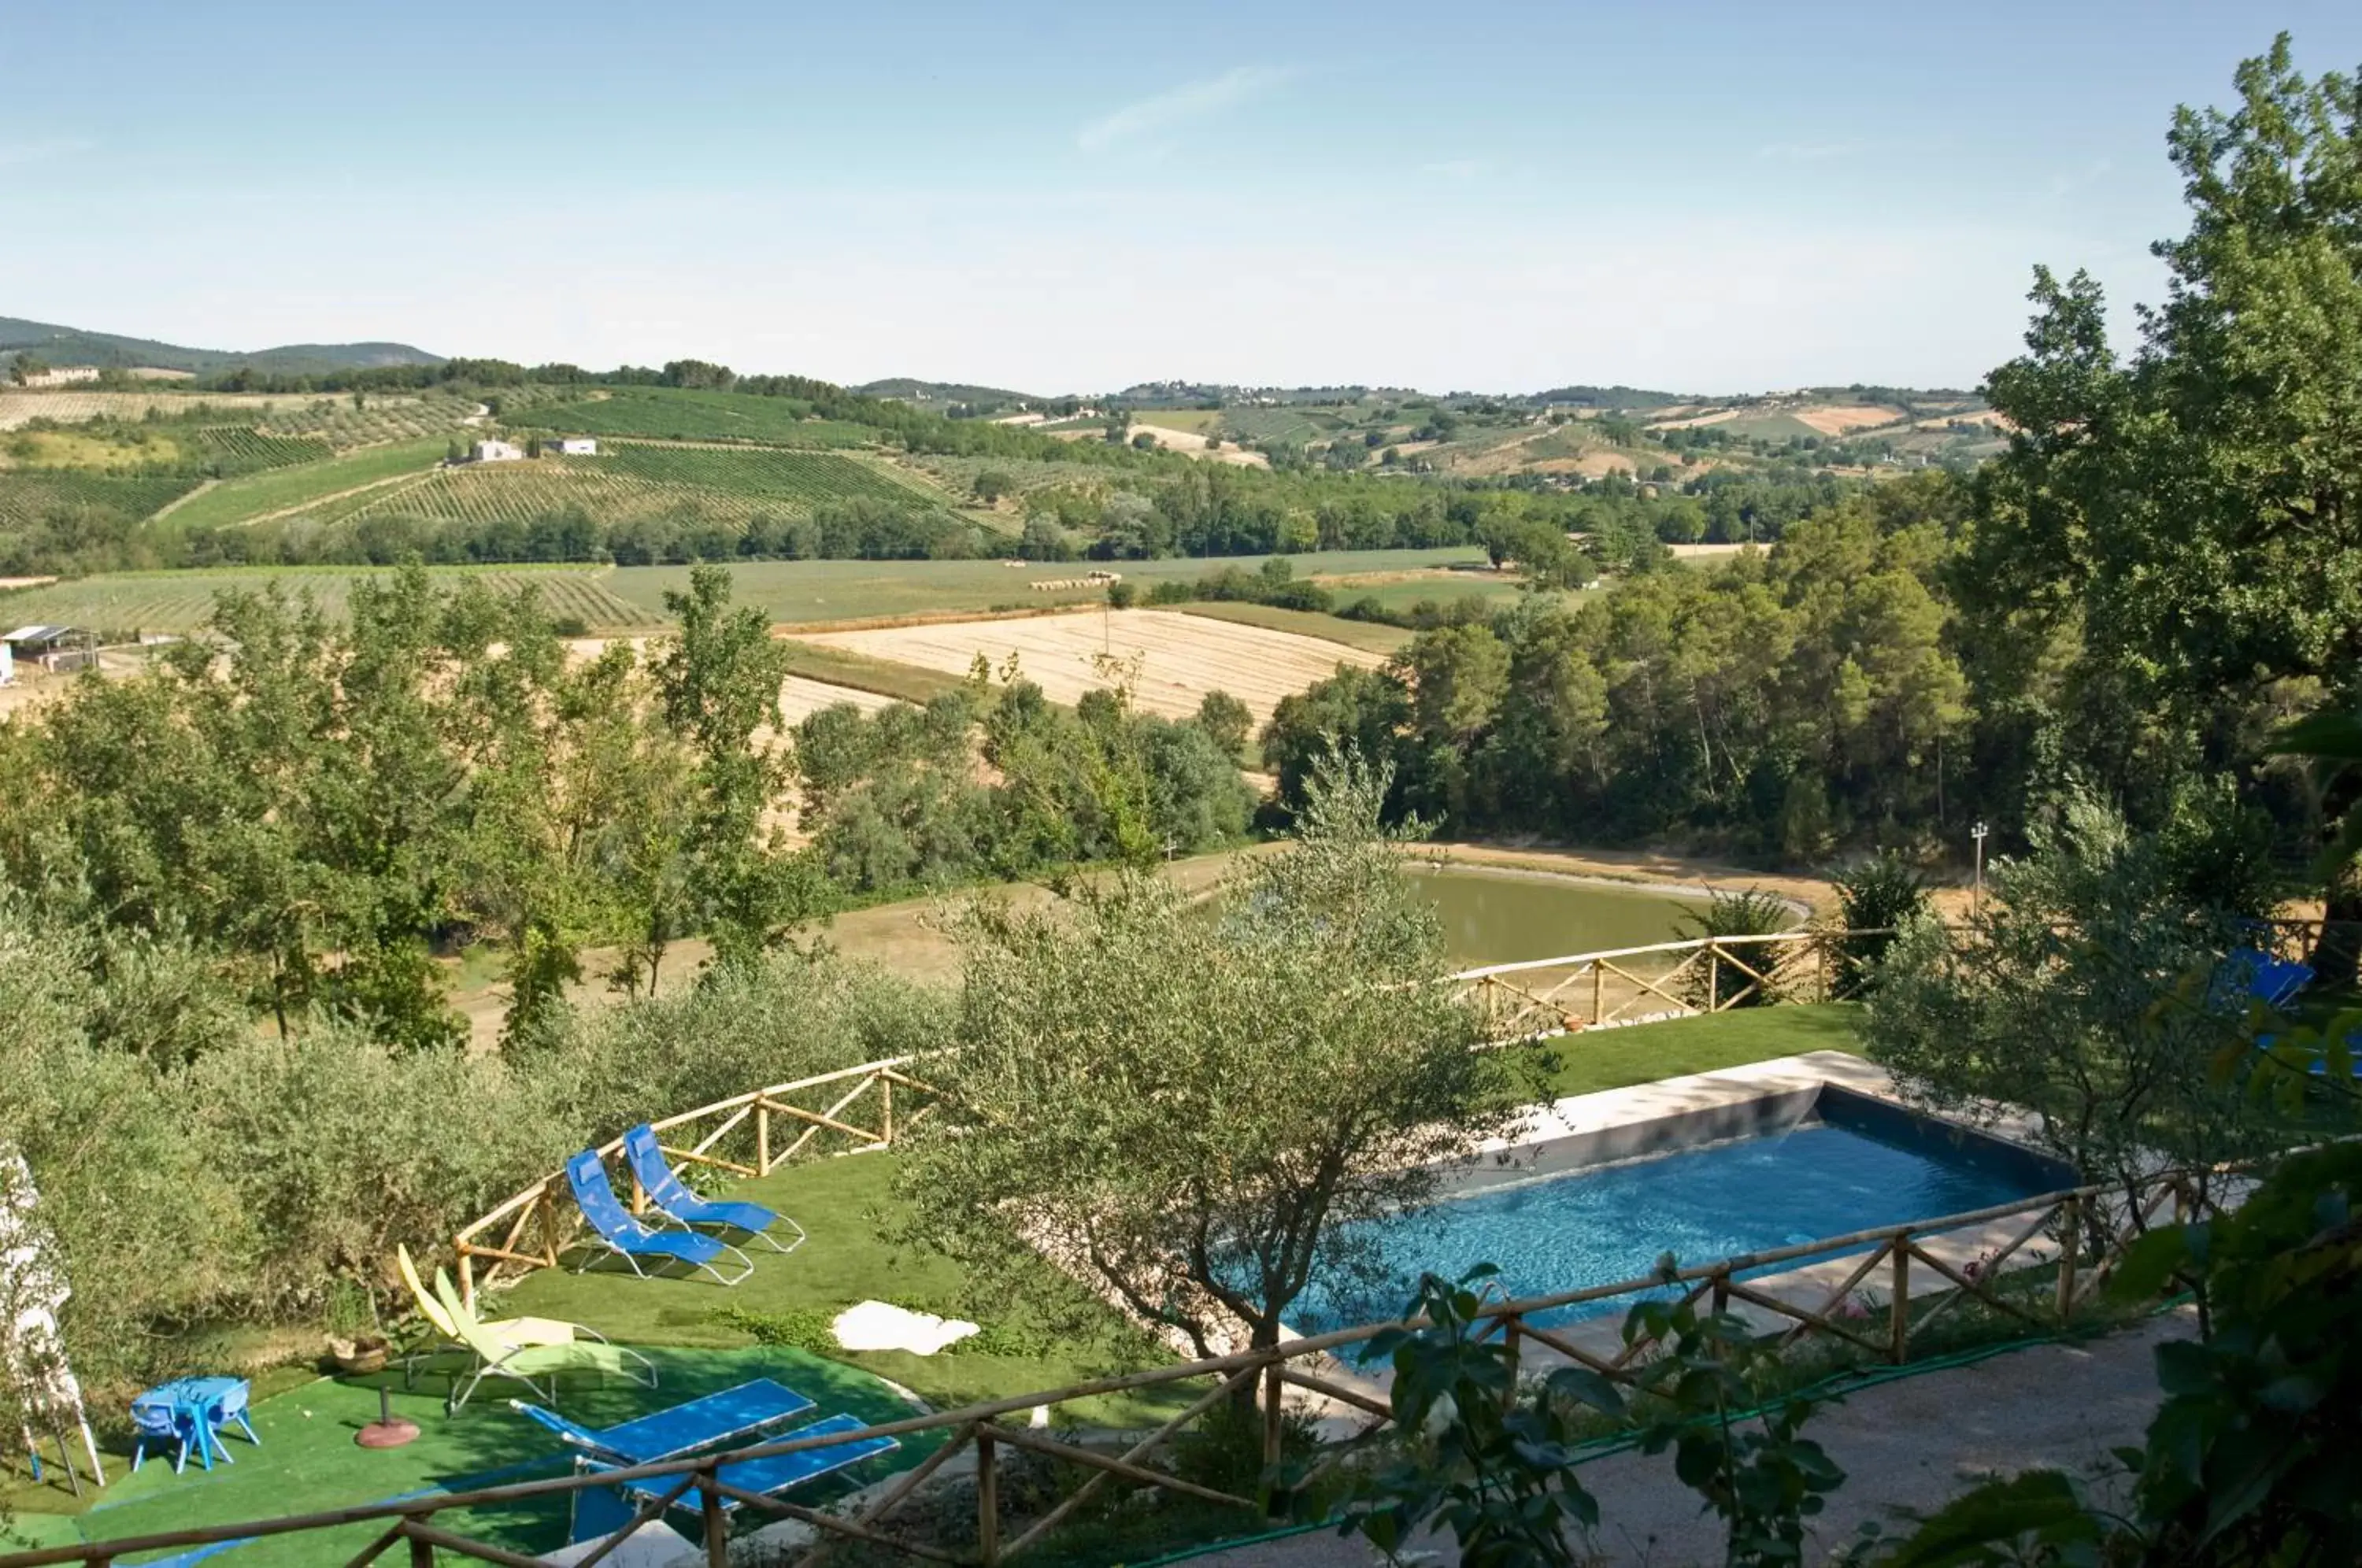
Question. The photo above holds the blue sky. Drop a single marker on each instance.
(1707, 197)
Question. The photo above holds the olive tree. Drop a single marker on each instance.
(1191, 1106)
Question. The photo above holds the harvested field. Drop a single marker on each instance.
(1835, 419)
(800, 699)
(1182, 656)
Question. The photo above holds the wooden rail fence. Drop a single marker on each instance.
(2082, 1233)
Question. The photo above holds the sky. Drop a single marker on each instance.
(1712, 197)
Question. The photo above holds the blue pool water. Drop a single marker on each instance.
(1599, 1226)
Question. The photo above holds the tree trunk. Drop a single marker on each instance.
(2336, 956)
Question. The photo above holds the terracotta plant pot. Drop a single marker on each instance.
(360, 1357)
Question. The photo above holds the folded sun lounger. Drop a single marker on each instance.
(630, 1239)
(669, 1192)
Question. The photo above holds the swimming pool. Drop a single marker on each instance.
(1846, 1163)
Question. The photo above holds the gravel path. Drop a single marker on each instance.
(1912, 1443)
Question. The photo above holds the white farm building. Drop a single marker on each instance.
(495, 452)
(572, 447)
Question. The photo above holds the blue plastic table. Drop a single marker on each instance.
(191, 1410)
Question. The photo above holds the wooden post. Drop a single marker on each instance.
(1721, 1294)
(639, 1195)
(548, 1228)
(422, 1552)
(2070, 1247)
(466, 1274)
(1899, 1310)
(1598, 979)
(1713, 979)
(1821, 950)
(762, 1138)
(717, 1522)
(1274, 1495)
(886, 1108)
(1513, 1339)
(988, 1504)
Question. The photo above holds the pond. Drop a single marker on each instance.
(1504, 917)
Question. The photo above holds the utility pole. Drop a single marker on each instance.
(1978, 834)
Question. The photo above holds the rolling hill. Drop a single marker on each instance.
(76, 346)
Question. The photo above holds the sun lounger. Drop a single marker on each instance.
(734, 1415)
(523, 1349)
(630, 1239)
(766, 1478)
(669, 1192)
(2259, 976)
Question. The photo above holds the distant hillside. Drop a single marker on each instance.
(911, 390)
(73, 346)
(1618, 397)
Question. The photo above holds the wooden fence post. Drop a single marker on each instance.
(988, 1504)
(1712, 977)
(1511, 1338)
(717, 1522)
(2070, 1247)
(422, 1552)
(1899, 1310)
(1274, 1433)
(1721, 1294)
(466, 1274)
(1598, 980)
(762, 1138)
(886, 1108)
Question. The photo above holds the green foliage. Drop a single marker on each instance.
(1199, 1102)
(1710, 1398)
(2090, 990)
(1492, 1464)
(1883, 893)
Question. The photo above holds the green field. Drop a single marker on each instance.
(803, 480)
(663, 412)
(1196, 421)
(29, 494)
(126, 603)
(1281, 425)
(250, 496)
(1443, 588)
(251, 449)
(629, 598)
(1372, 636)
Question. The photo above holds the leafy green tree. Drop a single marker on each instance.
(2177, 525)
(1194, 1111)
(2088, 990)
(1228, 721)
(718, 685)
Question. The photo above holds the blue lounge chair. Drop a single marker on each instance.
(669, 1193)
(766, 1478)
(630, 1239)
(2259, 976)
(736, 1415)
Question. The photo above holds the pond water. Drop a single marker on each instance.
(1502, 917)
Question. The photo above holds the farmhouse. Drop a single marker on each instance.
(495, 452)
(572, 446)
(57, 647)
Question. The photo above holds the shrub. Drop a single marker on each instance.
(1749, 912)
(1883, 893)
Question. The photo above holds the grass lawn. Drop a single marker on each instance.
(1617, 1058)
(1373, 636)
(847, 1205)
(308, 1461)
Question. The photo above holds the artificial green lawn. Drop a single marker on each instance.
(847, 1205)
(308, 1461)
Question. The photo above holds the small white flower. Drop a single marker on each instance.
(1440, 1414)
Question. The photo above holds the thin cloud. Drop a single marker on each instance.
(1807, 151)
(1191, 100)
